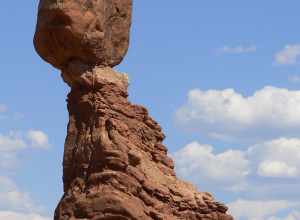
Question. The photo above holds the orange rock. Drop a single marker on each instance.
(93, 31)
(115, 165)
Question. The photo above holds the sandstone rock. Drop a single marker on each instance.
(115, 165)
(92, 31)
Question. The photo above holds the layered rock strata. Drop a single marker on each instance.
(115, 166)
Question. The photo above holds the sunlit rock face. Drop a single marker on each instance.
(115, 166)
(93, 31)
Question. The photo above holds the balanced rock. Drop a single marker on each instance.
(93, 31)
(115, 165)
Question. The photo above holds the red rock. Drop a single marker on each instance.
(92, 31)
(115, 166)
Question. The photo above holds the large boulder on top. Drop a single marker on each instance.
(95, 32)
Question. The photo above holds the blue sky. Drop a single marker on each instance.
(222, 78)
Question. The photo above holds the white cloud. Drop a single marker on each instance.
(6, 184)
(9, 215)
(233, 169)
(10, 145)
(276, 169)
(13, 143)
(267, 172)
(4, 115)
(289, 55)
(38, 139)
(16, 200)
(3, 108)
(259, 210)
(17, 205)
(294, 215)
(199, 163)
(277, 158)
(294, 79)
(237, 49)
(11, 198)
(265, 114)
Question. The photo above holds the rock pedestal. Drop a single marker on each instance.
(115, 165)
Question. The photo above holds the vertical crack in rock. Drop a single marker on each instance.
(115, 165)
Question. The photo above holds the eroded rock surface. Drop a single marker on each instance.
(115, 165)
(93, 31)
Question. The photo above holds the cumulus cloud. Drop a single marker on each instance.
(11, 198)
(3, 108)
(244, 209)
(199, 163)
(233, 169)
(38, 139)
(4, 113)
(8, 215)
(13, 143)
(245, 173)
(277, 158)
(15, 204)
(16, 200)
(6, 184)
(226, 113)
(241, 49)
(294, 79)
(9, 146)
(266, 171)
(288, 55)
(294, 215)
(276, 169)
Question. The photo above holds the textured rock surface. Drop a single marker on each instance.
(93, 31)
(115, 165)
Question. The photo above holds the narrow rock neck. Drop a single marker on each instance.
(94, 92)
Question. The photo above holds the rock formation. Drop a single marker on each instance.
(115, 165)
(93, 31)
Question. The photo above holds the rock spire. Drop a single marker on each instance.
(115, 165)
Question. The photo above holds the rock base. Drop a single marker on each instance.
(115, 165)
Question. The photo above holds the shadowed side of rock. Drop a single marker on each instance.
(115, 165)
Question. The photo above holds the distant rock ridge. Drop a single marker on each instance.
(115, 166)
